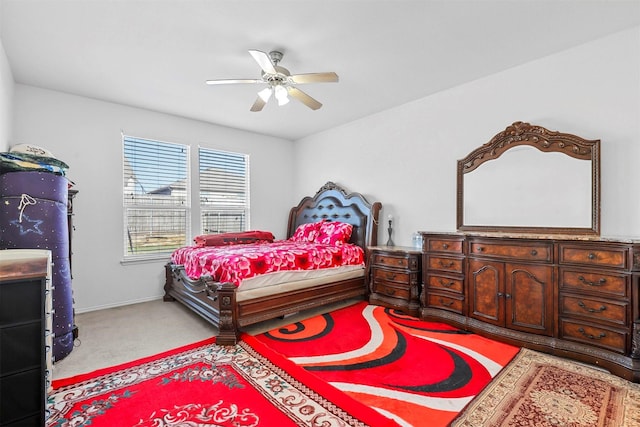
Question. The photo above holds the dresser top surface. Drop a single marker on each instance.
(567, 237)
(403, 249)
(24, 263)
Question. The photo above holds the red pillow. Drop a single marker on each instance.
(334, 233)
(233, 238)
(306, 232)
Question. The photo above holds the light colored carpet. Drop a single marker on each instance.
(117, 335)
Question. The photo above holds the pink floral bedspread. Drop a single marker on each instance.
(238, 262)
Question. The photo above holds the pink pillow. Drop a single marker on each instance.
(334, 233)
(306, 232)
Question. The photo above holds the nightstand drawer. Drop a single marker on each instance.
(390, 260)
(444, 263)
(608, 338)
(444, 283)
(614, 257)
(594, 282)
(397, 276)
(598, 310)
(390, 290)
(445, 302)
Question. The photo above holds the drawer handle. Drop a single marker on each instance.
(446, 265)
(445, 246)
(507, 296)
(445, 304)
(447, 284)
(534, 252)
(479, 248)
(591, 256)
(592, 337)
(600, 282)
(390, 291)
(390, 276)
(592, 310)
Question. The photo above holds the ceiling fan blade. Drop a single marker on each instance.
(263, 61)
(314, 78)
(304, 98)
(232, 81)
(258, 105)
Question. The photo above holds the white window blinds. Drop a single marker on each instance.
(224, 191)
(156, 196)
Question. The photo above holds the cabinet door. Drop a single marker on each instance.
(528, 298)
(486, 281)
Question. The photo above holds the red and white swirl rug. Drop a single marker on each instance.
(415, 372)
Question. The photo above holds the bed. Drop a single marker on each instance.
(230, 307)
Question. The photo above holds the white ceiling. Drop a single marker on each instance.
(156, 54)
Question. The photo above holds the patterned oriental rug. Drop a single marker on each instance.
(205, 385)
(545, 391)
(415, 372)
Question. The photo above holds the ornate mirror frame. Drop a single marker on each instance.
(519, 134)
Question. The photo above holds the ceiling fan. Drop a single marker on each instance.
(280, 82)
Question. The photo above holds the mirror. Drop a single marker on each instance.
(528, 179)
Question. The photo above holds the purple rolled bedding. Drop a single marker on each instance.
(33, 215)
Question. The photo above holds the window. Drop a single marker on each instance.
(156, 196)
(224, 191)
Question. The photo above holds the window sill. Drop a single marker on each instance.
(146, 259)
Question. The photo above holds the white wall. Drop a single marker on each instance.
(406, 157)
(6, 97)
(86, 134)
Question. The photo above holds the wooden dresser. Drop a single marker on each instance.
(573, 297)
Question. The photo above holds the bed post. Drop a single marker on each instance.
(168, 279)
(228, 323)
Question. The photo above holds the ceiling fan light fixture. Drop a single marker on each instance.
(281, 95)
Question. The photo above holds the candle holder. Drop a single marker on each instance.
(390, 230)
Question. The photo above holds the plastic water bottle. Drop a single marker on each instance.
(417, 240)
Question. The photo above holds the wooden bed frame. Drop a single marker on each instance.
(216, 302)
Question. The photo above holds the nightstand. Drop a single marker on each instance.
(394, 277)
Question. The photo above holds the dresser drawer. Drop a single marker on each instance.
(445, 302)
(608, 338)
(614, 257)
(434, 244)
(599, 310)
(616, 285)
(533, 251)
(391, 290)
(442, 263)
(392, 260)
(436, 282)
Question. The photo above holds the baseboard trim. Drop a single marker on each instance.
(119, 304)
